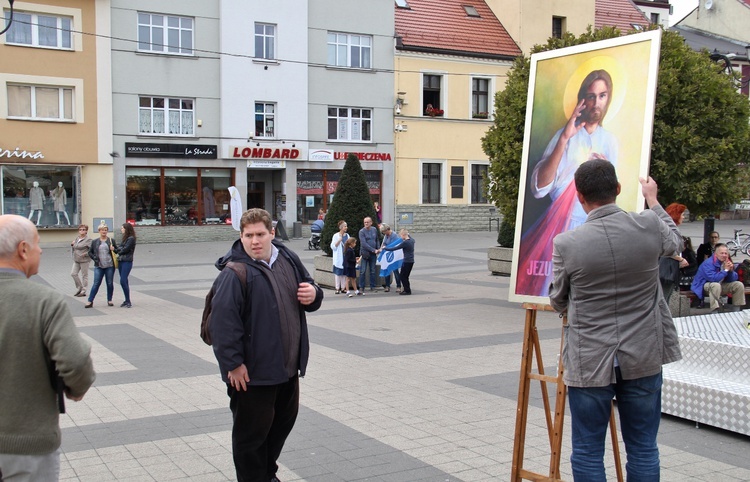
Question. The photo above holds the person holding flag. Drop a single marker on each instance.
(405, 261)
(390, 263)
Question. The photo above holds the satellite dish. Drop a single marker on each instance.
(709, 4)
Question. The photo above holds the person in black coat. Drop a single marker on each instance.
(125, 252)
(259, 336)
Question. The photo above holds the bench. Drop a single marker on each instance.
(692, 296)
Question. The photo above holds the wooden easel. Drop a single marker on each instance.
(531, 349)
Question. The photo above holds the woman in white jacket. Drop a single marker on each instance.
(337, 247)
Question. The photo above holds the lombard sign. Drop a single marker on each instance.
(239, 152)
(192, 151)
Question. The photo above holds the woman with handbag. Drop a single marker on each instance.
(125, 253)
(101, 253)
(669, 266)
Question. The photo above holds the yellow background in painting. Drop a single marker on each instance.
(555, 97)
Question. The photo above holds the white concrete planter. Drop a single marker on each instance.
(323, 274)
(499, 260)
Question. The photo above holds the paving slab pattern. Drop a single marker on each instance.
(399, 388)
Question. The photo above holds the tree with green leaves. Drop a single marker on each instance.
(699, 152)
(351, 203)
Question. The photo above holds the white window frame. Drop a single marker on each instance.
(265, 38)
(63, 24)
(166, 110)
(165, 28)
(343, 45)
(471, 180)
(443, 91)
(443, 172)
(351, 124)
(269, 119)
(490, 96)
(61, 91)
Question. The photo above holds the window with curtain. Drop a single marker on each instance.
(349, 124)
(39, 30)
(166, 116)
(40, 102)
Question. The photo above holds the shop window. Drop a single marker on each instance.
(166, 115)
(165, 34)
(39, 30)
(479, 173)
(310, 192)
(143, 192)
(265, 118)
(373, 180)
(40, 102)
(215, 195)
(180, 199)
(265, 41)
(349, 124)
(48, 196)
(316, 190)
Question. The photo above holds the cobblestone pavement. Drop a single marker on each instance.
(417, 388)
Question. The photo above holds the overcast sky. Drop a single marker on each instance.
(681, 8)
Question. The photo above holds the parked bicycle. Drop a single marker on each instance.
(740, 242)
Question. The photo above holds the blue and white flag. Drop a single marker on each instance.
(390, 261)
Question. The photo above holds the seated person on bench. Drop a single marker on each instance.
(716, 276)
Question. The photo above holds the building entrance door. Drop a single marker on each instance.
(256, 195)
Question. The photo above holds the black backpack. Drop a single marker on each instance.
(240, 269)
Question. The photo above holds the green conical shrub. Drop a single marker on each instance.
(351, 202)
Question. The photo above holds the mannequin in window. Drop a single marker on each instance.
(209, 205)
(60, 197)
(36, 198)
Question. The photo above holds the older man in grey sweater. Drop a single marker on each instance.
(41, 352)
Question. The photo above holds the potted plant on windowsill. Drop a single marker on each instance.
(433, 112)
(480, 115)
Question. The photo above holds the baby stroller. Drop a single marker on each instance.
(316, 228)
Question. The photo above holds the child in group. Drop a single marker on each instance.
(350, 267)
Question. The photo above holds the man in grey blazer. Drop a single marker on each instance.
(620, 331)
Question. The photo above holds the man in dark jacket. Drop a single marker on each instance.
(260, 340)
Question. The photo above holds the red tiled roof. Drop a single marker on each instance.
(618, 13)
(443, 25)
